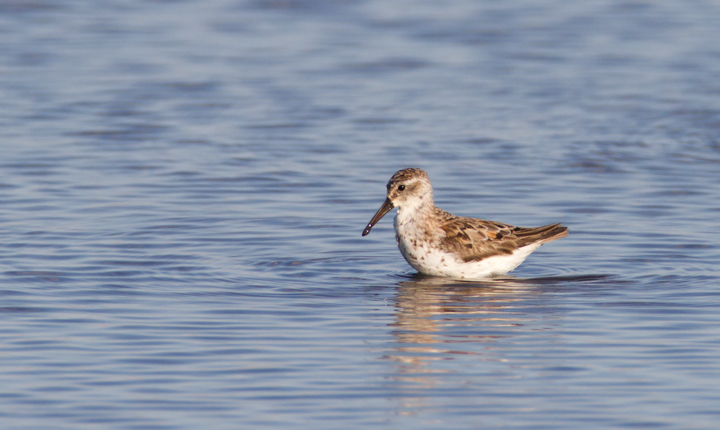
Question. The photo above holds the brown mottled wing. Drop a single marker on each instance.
(474, 240)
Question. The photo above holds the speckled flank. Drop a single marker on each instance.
(439, 243)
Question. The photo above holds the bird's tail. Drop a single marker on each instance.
(544, 234)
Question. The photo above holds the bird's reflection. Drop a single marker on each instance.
(452, 332)
(439, 319)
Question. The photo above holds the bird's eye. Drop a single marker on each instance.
(401, 187)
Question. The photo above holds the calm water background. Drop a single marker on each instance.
(183, 185)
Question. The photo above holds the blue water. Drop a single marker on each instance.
(183, 185)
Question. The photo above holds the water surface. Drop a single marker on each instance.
(184, 185)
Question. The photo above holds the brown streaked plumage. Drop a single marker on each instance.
(436, 242)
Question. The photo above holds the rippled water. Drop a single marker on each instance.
(184, 185)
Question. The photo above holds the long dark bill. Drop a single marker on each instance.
(385, 208)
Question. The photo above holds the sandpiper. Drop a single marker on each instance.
(438, 243)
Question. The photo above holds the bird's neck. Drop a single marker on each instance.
(415, 213)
